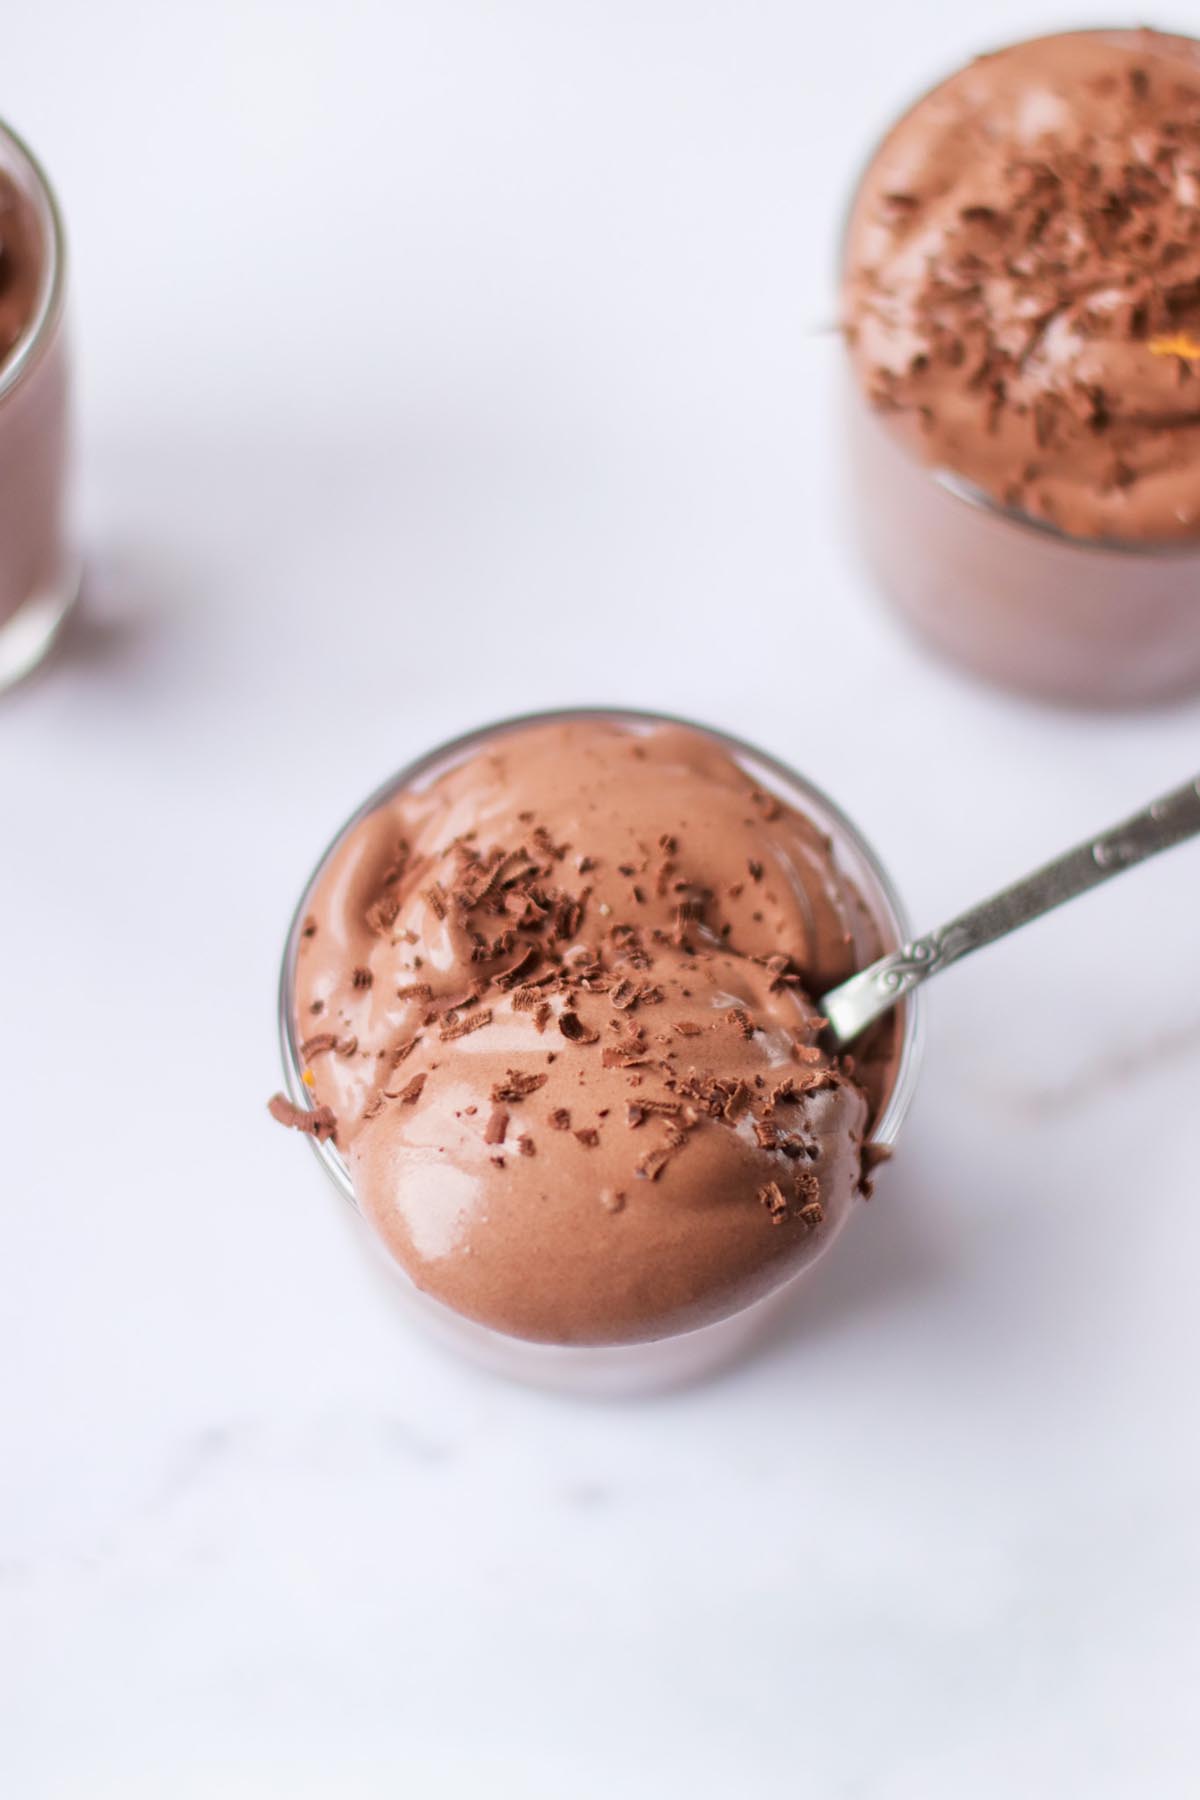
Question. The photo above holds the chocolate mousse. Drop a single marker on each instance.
(21, 261)
(555, 1009)
(1021, 294)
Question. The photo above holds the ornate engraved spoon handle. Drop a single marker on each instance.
(853, 1006)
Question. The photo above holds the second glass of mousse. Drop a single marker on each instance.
(547, 1015)
(39, 571)
(1021, 297)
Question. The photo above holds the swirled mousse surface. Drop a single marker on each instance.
(1022, 281)
(555, 1006)
(20, 267)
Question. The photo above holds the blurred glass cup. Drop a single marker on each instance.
(1088, 621)
(39, 566)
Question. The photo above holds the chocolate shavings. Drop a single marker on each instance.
(318, 1121)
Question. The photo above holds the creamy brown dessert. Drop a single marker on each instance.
(555, 1008)
(1021, 294)
(39, 574)
(21, 262)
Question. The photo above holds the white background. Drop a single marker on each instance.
(438, 361)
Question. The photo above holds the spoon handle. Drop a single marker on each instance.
(853, 1006)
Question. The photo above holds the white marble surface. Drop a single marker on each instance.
(438, 361)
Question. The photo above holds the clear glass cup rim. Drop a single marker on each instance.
(884, 901)
(949, 480)
(14, 150)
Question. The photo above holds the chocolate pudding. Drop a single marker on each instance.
(554, 1008)
(1021, 292)
(39, 575)
(21, 262)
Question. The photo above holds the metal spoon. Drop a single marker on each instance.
(856, 1003)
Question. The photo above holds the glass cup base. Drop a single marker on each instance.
(588, 1371)
(28, 635)
(1015, 602)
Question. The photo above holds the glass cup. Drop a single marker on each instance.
(662, 1362)
(39, 568)
(1089, 622)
